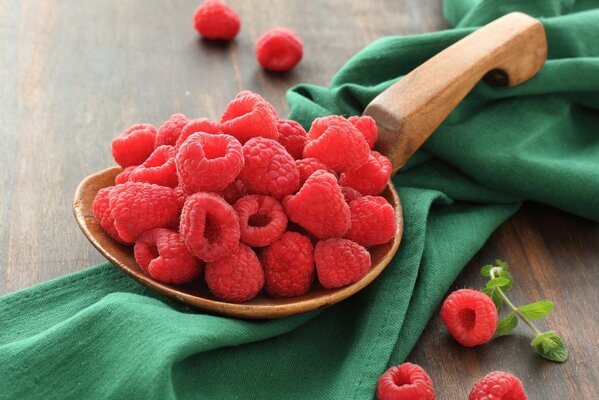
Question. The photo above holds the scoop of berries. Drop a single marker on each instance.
(255, 201)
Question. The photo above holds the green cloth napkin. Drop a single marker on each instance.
(98, 334)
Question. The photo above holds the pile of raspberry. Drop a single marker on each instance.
(251, 202)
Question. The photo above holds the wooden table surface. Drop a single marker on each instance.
(74, 74)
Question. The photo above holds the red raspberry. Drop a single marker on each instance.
(340, 262)
(371, 177)
(373, 221)
(319, 206)
(367, 127)
(159, 168)
(162, 255)
(350, 194)
(195, 126)
(124, 175)
(170, 131)
(214, 19)
(235, 191)
(292, 136)
(209, 226)
(307, 166)
(237, 277)
(207, 162)
(262, 219)
(289, 265)
(101, 210)
(181, 196)
(139, 207)
(268, 168)
(470, 317)
(498, 385)
(134, 145)
(337, 143)
(405, 382)
(279, 49)
(248, 115)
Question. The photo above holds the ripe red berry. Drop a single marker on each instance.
(367, 127)
(248, 115)
(498, 385)
(405, 382)
(373, 221)
(370, 178)
(236, 278)
(350, 194)
(196, 126)
(159, 168)
(262, 219)
(134, 145)
(235, 191)
(279, 49)
(162, 255)
(124, 175)
(170, 131)
(289, 265)
(292, 136)
(209, 226)
(307, 166)
(470, 317)
(101, 210)
(340, 262)
(213, 19)
(207, 162)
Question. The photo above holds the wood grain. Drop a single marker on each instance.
(74, 74)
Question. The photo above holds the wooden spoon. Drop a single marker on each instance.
(513, 48)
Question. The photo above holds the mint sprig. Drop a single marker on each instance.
(547, 344)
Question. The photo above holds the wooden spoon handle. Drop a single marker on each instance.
(512, 48)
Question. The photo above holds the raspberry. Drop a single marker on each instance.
(170, 131)
(235, 191)
(350, 194)
(124, 175)
(101, 210)
(268, 168)
(134, 145)
(319, 206)
(195, 126)
(337, 143)
(340, 262)
(289, 265)
(207, 162)
(367, 127)
(470, 317)
(214, 19)
(279, 49)
(237, 277)
(139, 207)
(181, 196)
(162, 255)
(248, 115)
(498, 385)
(405, 382)
(307, 166)
(209, 226)
(292, 136)
(371, 177)
(373, 221)
(159, 168)
(262, 219)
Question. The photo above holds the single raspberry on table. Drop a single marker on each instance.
(162, 255)
(292, 136)
(124, 175)
(319, 206)
(289, 265)
(170, 131)
(307, 166)
(234, 191)
(498, 385)
(373, 221)
(207, 162)
(159, 168)
(262, 219)
(210, 226)
(248, 115)
(337, 143)
(279, 49)
(340, 262)
(236, 278)
(405, 382)
(350, 194)
(213, 19)
(138, 207)
(268, 168)
(101, 210)
(134, 145)
(370, 178)
(470, 317)
(367, 127)
(197, 126)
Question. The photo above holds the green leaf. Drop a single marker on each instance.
(550, 346)
(508, 276)
(536, 310)
(486, 270)
(507, 325)
(498, 282)
(494, 295)
(500, 263)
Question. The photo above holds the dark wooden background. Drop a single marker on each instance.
(74, 74)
